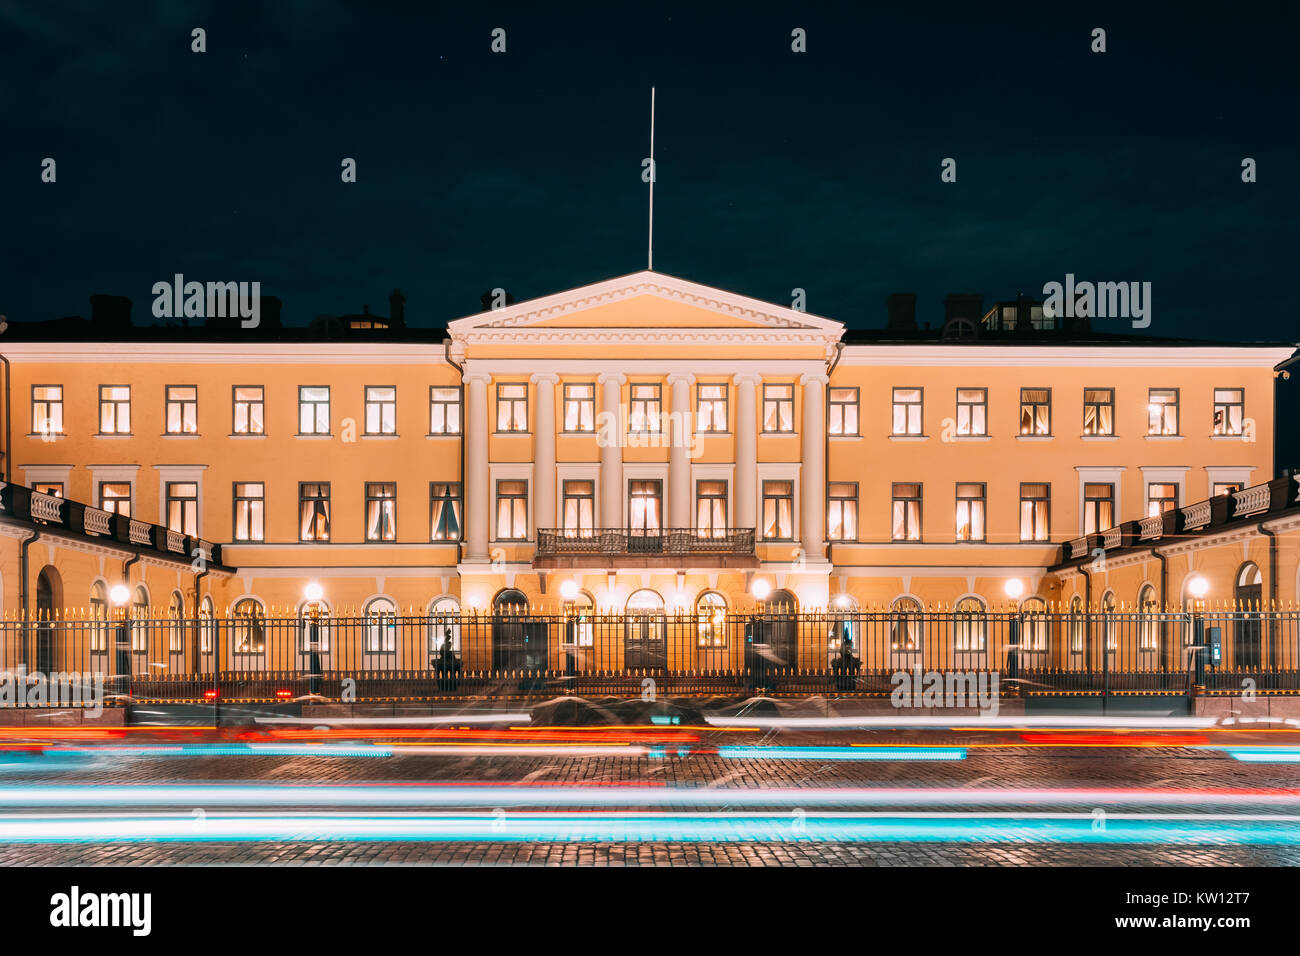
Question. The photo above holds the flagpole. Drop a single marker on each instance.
(650, 249)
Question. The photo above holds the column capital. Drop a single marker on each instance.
(747, 378)
(477, 376)
(611, 378)
(814, 378)
(544, 378)
(681, 378)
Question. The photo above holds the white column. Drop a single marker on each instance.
(813, 472)
(746, 451)
(478, 496)
(610, 436)
(544, 451)
(679, 457)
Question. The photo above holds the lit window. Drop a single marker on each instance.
(444, 511)
(579, 407)
(778, 510)
(444, 411)
(314, 410)
(711, 509)
(115, 497)
(842, 511)
(1098, 507)
(843, 411)
(250, 510)
(1035, 511)
(1035, 411)
(970, 626)
(1229, 410)
(249, 410)
(778, 408)
(970, 511)
(182, 410)
(381, 511)
(115, 409)
(579, 512)
(47, 409)
(1161, 497)
(972, 412)
(906, 522)
(1162, 411)
(1099, 411)
(711, 617)
(512, 510)
(711, 407)
(644, 413)
(314, 511)
(183, 507)
(512, 407)
(645, 506)
(381, 410)
(907, 411)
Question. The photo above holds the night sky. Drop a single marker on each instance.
(776, 170)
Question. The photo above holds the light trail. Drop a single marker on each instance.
(500, 826)
(953, 722)
(854, 753)
(536, 794)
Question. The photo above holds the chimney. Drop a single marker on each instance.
(963, 305)
(900, 308)
(397, 309)
(110, 311)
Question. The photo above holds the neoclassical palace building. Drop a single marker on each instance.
(642, 443)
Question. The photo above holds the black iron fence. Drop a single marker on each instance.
(402, 657)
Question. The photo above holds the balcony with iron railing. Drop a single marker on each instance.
(649, 548)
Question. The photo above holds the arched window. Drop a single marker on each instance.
(1034, 624)
(645, 631)
(139, 618)
(842, 639)
(578, 613)
(710, 619)
(1250, 587)
(510, 602)
(1078, 625)
(318, 612)
(207, 626)
(248, 630)
(905, 625)
(1148, 629)
(970, 625)
(176, 624)
(780, 602)
(99, 618)
(444, 626)
(1109, 624)
(381, 626)
(645, 601)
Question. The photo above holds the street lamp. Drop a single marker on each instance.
(120, 594)
(569, 589)
(1014, 588)
(313, 592)
(1198, 587)
(761, 588)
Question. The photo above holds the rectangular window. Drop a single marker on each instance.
(381, 511)
(1098, 507)
(115, 497)
(1035, 411)
(579, 407)
(778, 510)
(711, 407)
(1225, 488)
(250, 410)
(183, 507)
(250, 510)
(1035, 511)
(182, 412)
(778, 408)
(47, 409)
(907, 411)
(971, 508)
(115, 409)
(842, 511)
(1162, 411)
(645, 506)
(314, 511)
(1099, 411)
(381, 410)
(643, 415)
(843, 411)
(1161, 497)
(52, 488)
(578, 516)
(444, 411)
(313, 410)
(1229, 410)
(512, 510)
(444, 511)
(906, 517)
(972, 412)
(711, 509)
(512, 406)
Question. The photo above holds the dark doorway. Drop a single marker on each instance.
(1247, 639)
(518, 643)
(645, 646)
(773, 641)
(47, 586)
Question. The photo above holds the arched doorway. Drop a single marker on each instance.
(48, 597)
(1249, 592)
(645, 645)
(774, 637)
(518, 643)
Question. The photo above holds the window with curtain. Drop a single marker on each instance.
(711, 509)
(1035, 511)
(907, 411)
(578, 516)
(381, 511)
(512, 510)
(711, 407)
(579, 407)
(1035, 411)
(710, 620)
(1099, 411)
(1098, 507)
(970, 625)
(970, 511)
(972, 412)
(842, 511)
(314, 511)
(444, 511)
(381, 410)
(906, 518)
(645, 506)
(778, 510)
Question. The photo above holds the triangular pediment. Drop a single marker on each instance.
(645, 301)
